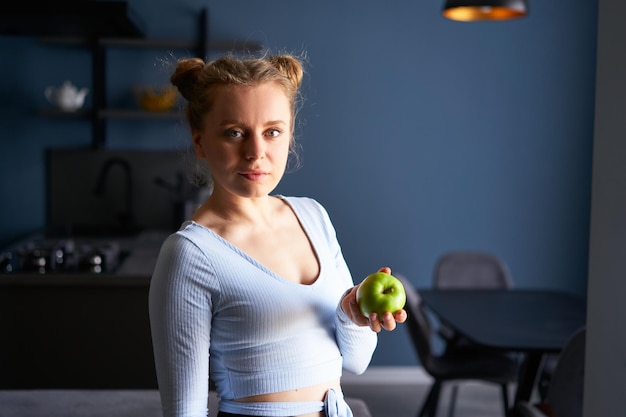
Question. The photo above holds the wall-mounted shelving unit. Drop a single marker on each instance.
(109, 25)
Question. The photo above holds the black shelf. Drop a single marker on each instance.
(56, 113)
(156, 43)
(98, 40)
(138, 114)
(111, 113)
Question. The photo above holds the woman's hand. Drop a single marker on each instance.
(387, 322)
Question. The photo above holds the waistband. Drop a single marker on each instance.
(334, 405)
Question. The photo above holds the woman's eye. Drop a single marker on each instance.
(234, 133)
(274, 133)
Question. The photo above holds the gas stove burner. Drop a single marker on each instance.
(99, 258)
(42, 256)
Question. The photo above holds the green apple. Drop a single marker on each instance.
(380, 292)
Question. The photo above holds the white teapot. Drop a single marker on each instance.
(66, 97)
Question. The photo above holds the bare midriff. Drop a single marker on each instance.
(312, 393)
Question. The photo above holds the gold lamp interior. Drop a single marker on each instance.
(474, 10)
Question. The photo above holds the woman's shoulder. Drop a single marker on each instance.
(191, 246)
(309, 210)
(303, 202)
(189, 235)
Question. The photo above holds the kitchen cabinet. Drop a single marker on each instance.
(71, 18)
(80, 330)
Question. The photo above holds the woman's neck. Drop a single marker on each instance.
(250, 211)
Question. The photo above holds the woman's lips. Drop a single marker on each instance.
(254, 175)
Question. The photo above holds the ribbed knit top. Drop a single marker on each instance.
(214, 309)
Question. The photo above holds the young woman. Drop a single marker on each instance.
(253, 289)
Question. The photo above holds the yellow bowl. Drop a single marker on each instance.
(156, 98)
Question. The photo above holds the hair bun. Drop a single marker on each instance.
(290, 67)
(185, 76)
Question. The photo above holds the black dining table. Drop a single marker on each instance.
(534, 322)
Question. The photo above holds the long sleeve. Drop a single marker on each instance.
(180, 313)
(356, 343)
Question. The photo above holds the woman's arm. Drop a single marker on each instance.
(180, 312)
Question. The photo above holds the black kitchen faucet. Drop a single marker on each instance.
(126, 217)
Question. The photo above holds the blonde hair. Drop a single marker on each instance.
(196, 80)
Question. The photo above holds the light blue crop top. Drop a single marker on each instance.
(215, 309)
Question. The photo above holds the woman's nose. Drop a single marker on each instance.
(255, 147)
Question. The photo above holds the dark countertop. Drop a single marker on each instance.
(144, 250)
(135, 269)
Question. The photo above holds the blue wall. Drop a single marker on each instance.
(420, 135)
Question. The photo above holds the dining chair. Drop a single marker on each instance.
(471, 270)
(466, 270)
(564, 395)
(465, 363)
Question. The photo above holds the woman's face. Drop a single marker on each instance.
(246, 139)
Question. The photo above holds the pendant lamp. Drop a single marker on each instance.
(473, 10)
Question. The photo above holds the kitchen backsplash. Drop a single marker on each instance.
(114, 191)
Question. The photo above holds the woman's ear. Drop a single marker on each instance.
(197, 144)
